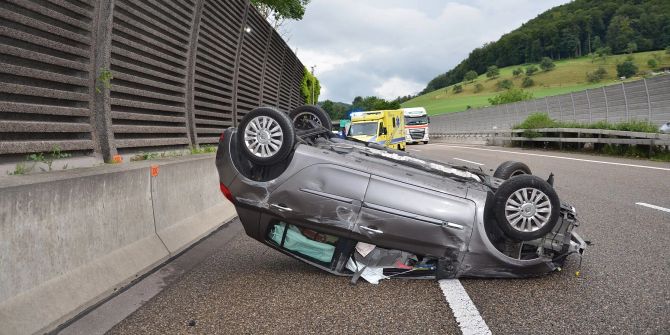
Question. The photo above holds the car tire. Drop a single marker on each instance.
(425, 142)
(510, 169)
(301, 115)
(526, 207)
(266, 136)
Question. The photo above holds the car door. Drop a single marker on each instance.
(399, 215)
(323, 197)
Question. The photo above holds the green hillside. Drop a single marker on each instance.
(568, 76)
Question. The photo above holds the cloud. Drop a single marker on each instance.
(394, 47)
(397, 86)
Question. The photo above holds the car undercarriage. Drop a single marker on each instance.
(362, 210)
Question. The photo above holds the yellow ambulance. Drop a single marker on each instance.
(385, 127)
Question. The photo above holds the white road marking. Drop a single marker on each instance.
(467, 161)
(559, 157)
(465, 311)
(653, 206)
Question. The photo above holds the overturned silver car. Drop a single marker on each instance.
(356, 209)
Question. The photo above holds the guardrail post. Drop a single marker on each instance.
(101, 102)
(546, 102)
(574, 110)
(238, 55)
(646, 90)
(190, 75)
(625, 100)
(607, 111)
(588, 99)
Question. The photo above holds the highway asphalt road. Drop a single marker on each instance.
(241, 286)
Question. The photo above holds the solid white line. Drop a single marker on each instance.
(653, 206)
(559, 157)
(467, 161)
(464, 309)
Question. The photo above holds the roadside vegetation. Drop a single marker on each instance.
(44, 161)
(542, 120)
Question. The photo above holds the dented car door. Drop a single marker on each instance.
(427, 223)
(322, 197)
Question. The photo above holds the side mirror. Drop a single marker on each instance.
(382, 131)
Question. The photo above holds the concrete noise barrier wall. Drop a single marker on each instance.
(69, 239)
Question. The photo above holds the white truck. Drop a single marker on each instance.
(416, 125)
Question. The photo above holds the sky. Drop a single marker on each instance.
(390, 48)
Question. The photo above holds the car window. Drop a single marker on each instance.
(304, 242)
(364, 128)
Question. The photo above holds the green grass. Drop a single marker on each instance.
(568, 76)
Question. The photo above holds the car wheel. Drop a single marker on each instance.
(303, 118)
(526, 207)
(425, 142)
(511, 169)
(266, 136)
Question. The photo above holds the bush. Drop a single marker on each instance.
(667, 50)
(504, 84)
(530, 70)
(597, 75)
(631, 47)
(537, 121)
(626, 69)
(547, 64)
(542, 120)
(458, 88)
(479, 87)
(492, 71)
(517, 72)
(527, 82)
(511, 95)
(652, 63)
(470, 76)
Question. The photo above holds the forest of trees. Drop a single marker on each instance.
(571, 30)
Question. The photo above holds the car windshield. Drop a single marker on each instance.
(416, 120)
(365, 128)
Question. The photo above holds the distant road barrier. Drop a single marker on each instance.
(647, 99)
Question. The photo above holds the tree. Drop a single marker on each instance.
(597, 43)
(511, 95)
(547, 64)
(619, 33)
(479, 87)
(530, 70)
(373, 103)
(309, 83)
(597, 75)
(278, 11)
(527, 82)
(504, 84)
(458, 88)
(336, 110)
(517, 72)
(653, 63)
(626, 69)
(492, 71)
(667, 50)
(631, 47)
(470, 76)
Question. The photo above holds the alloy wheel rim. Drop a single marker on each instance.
(263, 136)
(528, 210)
(301, 121)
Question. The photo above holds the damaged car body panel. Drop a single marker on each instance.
(346, 207)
